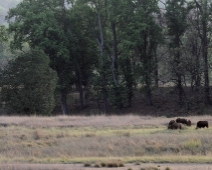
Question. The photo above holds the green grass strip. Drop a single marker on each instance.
(144, 159)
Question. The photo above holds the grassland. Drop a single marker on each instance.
(130, 139)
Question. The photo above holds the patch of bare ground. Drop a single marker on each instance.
(144, 166)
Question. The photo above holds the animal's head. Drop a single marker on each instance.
(188, 123)
(171, 122)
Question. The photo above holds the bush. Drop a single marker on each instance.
(149, 168)
(192, 144)
(87, 165)
(28, 84)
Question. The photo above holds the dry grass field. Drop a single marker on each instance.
(95, 142)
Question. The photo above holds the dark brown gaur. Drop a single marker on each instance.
(202, 124)
(171, 122)
(188, 123)
(175, 126)
(183, 121)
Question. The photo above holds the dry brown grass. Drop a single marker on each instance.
(78, 139)
(92, 121)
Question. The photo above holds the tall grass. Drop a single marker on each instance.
(93, 142)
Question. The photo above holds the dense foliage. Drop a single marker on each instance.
(28, 84)
(108, 49)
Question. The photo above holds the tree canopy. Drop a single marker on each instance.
(28, 84)
(109, 49)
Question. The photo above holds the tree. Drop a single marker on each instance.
(3, 34)
(203, 24)
(106, 24)
(128, 77)
(28, 84)
(95, 14)
(3, 41)
(42, 24)
(194, 61)
(176, 14)
(6, 53)
(83, 53)
(143, 35)
(113, 39)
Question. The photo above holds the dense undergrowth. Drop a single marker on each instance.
(165, 103)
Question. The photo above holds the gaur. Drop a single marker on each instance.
(171, 122)
(183, 121)
(202, 124)
(188, 123)
(175, 126)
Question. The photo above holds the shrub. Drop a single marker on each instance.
(28, 84)
(103, 164)
(192, 144)
(149, 168)
(97, 165)
(112, 164)
(87, 165)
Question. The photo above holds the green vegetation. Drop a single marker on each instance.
(28, 84)
(110, 164)
(119, 52)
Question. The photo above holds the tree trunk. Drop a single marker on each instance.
(197, 65)
(178, 72)
(156, 68)
(205, 57)
(147, 72)
(63, 90)
(64, 102)
(180, 89)
(80, 88)
(100, 41)
(87, 95)
(115, 54)
(148, 91)
(179, 77)
(114, 59)
(203, 10)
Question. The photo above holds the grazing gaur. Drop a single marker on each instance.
(188, 123)
(171, 122)
(202, 124)
(183, 121)
(175, 126)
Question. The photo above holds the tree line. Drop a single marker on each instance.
(107, 47)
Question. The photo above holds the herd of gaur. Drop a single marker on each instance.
(177, 124)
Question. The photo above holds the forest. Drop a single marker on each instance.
(111, 56)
